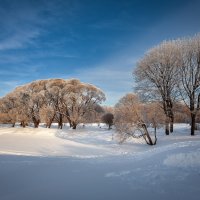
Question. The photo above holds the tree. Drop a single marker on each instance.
(156, 76)
(108, 119)
(47, 115)
(54, 94)
(79, 99)
(189, 73)
(129, 122)
(9, 109)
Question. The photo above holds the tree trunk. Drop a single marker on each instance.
(148, 137)
(23, 124)
(60, 122)
(60, 125)
(193, 119)
(169, 121)
(51, 121)
(167, 125)
(70, 122)
(171, 124)
(36, 123)
(74, 125)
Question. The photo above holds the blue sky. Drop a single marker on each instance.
(96, 41)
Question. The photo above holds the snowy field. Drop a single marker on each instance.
(88, 163)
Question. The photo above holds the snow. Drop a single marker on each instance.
(88, 163)
(184, 159)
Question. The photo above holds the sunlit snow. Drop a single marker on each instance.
(88, 163)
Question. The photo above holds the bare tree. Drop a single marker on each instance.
(31, 99)
(129, 122)
(189, 73)
(79, 99)
(55, 92)
(8, 109)
(156, 77)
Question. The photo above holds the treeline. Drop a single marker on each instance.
(53, 100)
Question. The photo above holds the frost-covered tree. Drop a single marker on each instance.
(54, 94)
(129, 121)
(189, 73)
(9, 107)
(156, 77)
(79, 99)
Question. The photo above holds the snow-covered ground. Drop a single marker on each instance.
(89, 164)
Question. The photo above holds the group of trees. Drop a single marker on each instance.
(170, 73)
(167, 90)
(51, 100)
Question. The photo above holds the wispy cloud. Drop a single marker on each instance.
(19, 40)
(21, 23)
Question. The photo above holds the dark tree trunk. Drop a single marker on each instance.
(167, 126)
(169, 121)
(193, 119)
(74, 125)
(60, 122)
(23, 124)
(171, 124)
(36, 122)
(147, 137)
(51, 121)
